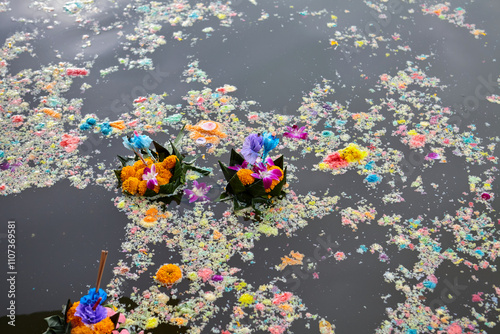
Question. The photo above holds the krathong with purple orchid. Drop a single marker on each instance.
(252, 177)
(158, 173)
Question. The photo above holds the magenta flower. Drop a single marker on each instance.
(485, 196)
(238, 167)
(217, 278)
(295, 132)
(199, 191)
(150, 176)
(266, 175)
(432, 156)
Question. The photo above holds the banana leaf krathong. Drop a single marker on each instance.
(244, 196)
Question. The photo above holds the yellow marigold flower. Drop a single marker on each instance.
(169, 162)
(127, 171)
(352, 153)
(168, 274)
(151, 323)
(245, 176)
(75, 321)
(104, 326)
(142, 187)
(246, 299)
(130, 185)
(83, 329)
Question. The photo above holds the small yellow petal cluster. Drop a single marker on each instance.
(352, 153)
(168, 274)
(151, 323)
(246, 299)
(245, 176)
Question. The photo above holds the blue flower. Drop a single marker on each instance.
(137, 142)
(373, 178)
(251, 147)
(92, 297)
(269, 141)
(106, 128)
(429, 284)
(141, 141)
(369, 166)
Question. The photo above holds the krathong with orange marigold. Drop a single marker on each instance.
(254, 178)
(168, 275)
(156, 174)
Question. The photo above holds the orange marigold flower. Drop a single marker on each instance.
(152, 211)
(168, 274)
(139, 172)
(164, 174)
(104, 326)
(83, 329)
(127, 171)
(169, 162)
(142, 187)
(75, 321)
(245, 176)
(139, 164)
(130, 185)
(161, 181)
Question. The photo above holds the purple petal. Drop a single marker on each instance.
(267, 182)
(152, 183)
(147, 170)
(275, 174)
(255, 175)
(193, 197)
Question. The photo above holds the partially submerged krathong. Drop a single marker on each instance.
(157, 174)
(89, 315)
(254, 178)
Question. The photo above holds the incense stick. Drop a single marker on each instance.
(104, 255)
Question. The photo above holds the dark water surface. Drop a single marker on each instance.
(60, 230)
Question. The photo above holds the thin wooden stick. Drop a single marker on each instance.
(104, 255)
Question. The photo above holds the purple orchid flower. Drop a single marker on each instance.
(295, 132)
(217, 278)
(199, 191)
(433, 156)
(267, 176)
(251, 147)
(150, 176)
(244, 165)
(6, 165)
